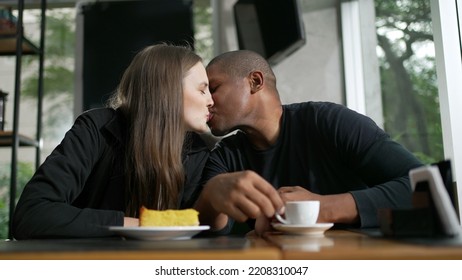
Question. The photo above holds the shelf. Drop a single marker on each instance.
(6, 140)
(8, 46)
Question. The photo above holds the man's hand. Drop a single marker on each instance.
(263, 223)
(297, 193)
(335, 208)
(241, 195)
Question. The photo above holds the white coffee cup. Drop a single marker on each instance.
(303, 212)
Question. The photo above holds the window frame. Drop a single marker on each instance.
(448, 47)
(447, 31)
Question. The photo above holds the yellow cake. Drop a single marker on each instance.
(157, 218)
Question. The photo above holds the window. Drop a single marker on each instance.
(408, 76)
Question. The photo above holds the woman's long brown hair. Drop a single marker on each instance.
(150, 95)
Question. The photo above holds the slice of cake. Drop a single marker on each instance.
(164, 218)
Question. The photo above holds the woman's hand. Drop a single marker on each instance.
(131, 222)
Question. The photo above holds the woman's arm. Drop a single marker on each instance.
(45, 206)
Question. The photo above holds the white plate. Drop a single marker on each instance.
(310, 230)
(159, 233)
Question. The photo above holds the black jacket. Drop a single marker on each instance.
(79, 190)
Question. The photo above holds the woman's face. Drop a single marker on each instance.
(197, 99)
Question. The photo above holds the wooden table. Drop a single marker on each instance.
(349, 245)
(219, 248)
(335, 245)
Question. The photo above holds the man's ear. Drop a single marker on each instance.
(256, 81)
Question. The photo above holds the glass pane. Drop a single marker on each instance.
(203, 41)
(408, 76)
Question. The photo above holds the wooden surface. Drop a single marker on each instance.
(245, 254)
(347, 245)
(334, 245)
(8, 45)
(222, 248)
(6, 139)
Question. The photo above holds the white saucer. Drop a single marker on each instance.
(310, 230)
(159, 233)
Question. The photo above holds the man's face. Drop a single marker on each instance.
(230, 96)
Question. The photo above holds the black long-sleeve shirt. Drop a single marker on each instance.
(328, 149)
(79, 190)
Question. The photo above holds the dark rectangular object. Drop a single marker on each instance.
(113, 32)
(272, 28)
(446, 175)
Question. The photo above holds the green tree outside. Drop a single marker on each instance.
(408, 76)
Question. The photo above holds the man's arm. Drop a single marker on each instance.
(381, 164)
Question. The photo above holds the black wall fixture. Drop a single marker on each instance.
(272, 28)
(112, 32)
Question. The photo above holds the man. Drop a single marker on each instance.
(307, 151)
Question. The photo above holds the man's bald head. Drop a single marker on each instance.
(239, 64)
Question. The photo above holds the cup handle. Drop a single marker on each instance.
(281, 219)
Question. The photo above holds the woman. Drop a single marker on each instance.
(138, 152)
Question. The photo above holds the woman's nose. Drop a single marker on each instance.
(209, 100)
